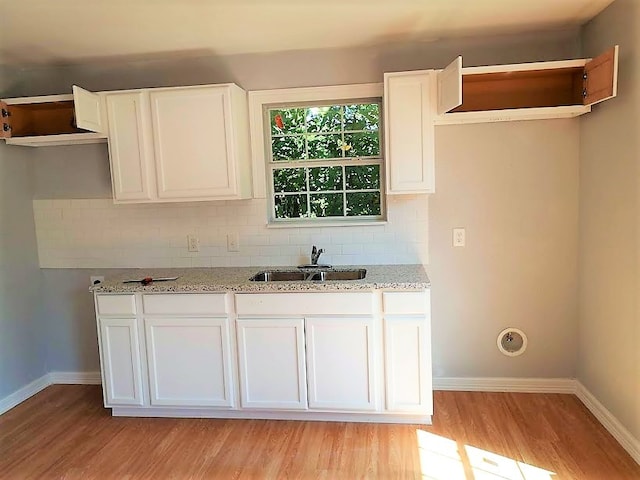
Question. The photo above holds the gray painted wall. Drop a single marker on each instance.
(609, 351)
(499, 180)
(22, 339)
(514, 187)
(69, 320)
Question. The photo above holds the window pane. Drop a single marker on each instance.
(287, 120)
(324, 146)
(363, 144)
(324, 119)
(327, 205)
(287, 148)
(291, 206)
(362, 117)
(325, 178)
(363, 177)
(363, 203)
(289, 180)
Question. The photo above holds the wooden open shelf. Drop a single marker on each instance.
(522, 89)
(36, 119)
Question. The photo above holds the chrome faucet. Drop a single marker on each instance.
(315, 255)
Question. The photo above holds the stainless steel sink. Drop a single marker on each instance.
(319, 276)
(278, 276)
(356, 274)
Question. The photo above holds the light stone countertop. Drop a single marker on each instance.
(236, 279)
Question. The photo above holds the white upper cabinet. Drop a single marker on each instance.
(525, 91)
(53, 119)
(409, 131)
(130, 146)
(179, 144)
(206, 139)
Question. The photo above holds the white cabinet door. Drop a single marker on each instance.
(450, 87)
(408, 381)
(189, 361)
(193, 141)
(601, 77)
(272, 363)
(88, 110)
(130, 147)
(340, 363)
(120, 358)
(409, 132)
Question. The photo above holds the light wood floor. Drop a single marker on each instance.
(64, 432)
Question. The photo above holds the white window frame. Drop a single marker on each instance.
(259, 99)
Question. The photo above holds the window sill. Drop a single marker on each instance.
(347, 223)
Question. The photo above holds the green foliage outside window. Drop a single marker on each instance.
(314, 138)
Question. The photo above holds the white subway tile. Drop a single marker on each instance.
(96, 233)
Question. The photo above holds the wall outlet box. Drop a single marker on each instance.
(96, 279)
(193, 244)
(459, 237)
(233, 242)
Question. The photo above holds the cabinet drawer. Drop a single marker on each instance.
(184, 304)
(116, 304)
(304, 304)
(405, 302)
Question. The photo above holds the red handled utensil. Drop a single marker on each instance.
(148, 280)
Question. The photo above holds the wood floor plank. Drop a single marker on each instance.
(64, 433)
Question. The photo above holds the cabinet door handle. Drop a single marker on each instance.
(6, 127)
(6, 113)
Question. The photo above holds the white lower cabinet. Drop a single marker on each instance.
(407, 350)
(340, 363)
(120, 359)
(353, 356)
(271, 362)
(188, 360)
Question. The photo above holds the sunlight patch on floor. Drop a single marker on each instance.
(443, 459)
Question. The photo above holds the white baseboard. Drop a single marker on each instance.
(608, 421)
(75, 378)
(22, 394)
(473, 384)
(52, 378)
(505, 384)
(547, 385)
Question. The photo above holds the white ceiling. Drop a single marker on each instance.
(44, 31)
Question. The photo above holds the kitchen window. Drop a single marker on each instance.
(324, 162)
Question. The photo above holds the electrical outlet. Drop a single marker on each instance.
(459, 239)
(233, 242)
(96, 279)
(193, 244)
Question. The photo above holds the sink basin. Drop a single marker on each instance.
(356, 274)
(277, 276)
(320, 276)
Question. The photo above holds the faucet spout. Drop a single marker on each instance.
(315, 255)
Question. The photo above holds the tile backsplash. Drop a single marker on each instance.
(95, 233)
